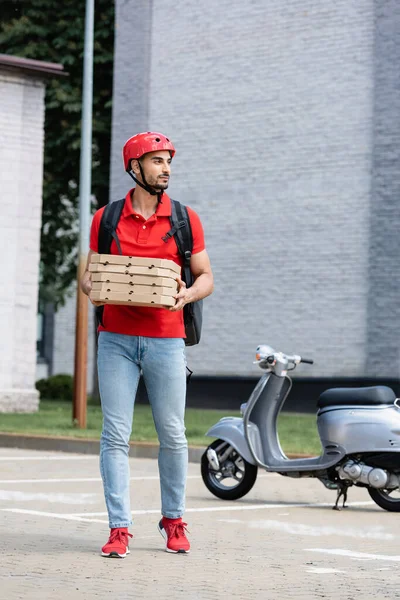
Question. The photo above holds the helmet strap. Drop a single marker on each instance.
(145, 186)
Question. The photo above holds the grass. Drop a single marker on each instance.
(297, 432)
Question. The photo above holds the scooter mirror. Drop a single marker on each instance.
(263, 351)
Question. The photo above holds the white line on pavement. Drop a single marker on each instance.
(71, 480)
(354, 555)
(88, 517)
(62, 457)
(374, 533)
(38, 513)
(84, 479)
(322, 571)
(16, 496)
(230, 507)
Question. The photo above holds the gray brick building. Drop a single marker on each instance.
(286, 120)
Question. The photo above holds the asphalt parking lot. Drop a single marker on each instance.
(281, 541)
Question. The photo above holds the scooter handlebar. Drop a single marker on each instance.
(309, 361)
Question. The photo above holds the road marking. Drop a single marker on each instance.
(71, 480)
(91, 517)
(38, 513)
(85, 479)
(230, 507)
(13, 496)
(322, 571)
(62, 457)
(224, 508)
(374, 533)
(354, 555)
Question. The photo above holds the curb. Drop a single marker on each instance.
(83, 446)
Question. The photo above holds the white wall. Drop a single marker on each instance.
(21, 172)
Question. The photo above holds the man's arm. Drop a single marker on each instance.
(203, 285)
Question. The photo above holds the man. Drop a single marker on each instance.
(149, 340)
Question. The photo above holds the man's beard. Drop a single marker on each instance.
(160, 186)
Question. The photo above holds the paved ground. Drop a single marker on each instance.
(281, 541)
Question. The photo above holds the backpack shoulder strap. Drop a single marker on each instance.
(108, 226)
(182, 230)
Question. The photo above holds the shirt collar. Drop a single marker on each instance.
(163, 209)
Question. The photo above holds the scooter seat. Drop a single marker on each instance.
(367, 396)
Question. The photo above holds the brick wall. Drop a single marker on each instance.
(285, 118)
(21, 155)
(383, 322)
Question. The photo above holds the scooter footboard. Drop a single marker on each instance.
(230, 429)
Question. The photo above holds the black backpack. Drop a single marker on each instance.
(182, 231)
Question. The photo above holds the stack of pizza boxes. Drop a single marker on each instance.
(134, 281)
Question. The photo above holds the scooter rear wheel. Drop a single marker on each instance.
(383, 499)
(233, 469)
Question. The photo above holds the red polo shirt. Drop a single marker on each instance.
(141, 237)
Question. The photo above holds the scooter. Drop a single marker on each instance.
(359, 430)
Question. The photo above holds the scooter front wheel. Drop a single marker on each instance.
(234, 477)
(385, 500)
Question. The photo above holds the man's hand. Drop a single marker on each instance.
(182, 297)
(86, 286)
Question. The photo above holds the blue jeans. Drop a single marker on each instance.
(121, 359)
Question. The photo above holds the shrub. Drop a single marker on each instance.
(56, 387)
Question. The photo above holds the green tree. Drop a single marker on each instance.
(53, 31)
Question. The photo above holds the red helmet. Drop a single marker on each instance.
(141, 143)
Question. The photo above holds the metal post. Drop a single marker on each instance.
(81, 334)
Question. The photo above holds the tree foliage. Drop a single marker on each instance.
(53, 31)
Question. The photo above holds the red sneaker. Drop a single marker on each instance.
(173, 532)
(118, 543)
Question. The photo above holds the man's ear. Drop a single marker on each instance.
(135, 166)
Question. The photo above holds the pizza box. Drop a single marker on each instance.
(133, 289)
(155, 301)
(132, 279)
(138, 261)
(133, 270)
